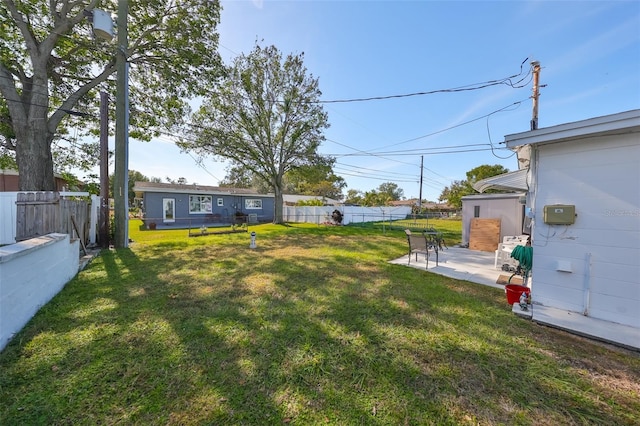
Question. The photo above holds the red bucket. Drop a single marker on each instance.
(514, 291)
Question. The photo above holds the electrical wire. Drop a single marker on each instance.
(452, 127)
(376, 153)
(475, 86)
(348, 166)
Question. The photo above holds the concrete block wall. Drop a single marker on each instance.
(32, 272)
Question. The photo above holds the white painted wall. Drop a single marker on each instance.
(601, 177)
(31, 273)
(506, 207)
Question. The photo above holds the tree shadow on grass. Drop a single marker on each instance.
(307, 328)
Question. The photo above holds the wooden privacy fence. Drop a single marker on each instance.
(41, 213)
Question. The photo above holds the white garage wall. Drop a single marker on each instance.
(600, 176)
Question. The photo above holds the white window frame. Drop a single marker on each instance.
(253, 204)
(220, 202)
(169, 204)
(206, 207)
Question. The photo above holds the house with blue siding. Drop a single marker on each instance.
(166, 205)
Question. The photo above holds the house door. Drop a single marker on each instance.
(168, 210)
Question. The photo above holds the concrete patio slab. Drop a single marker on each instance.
(459, 263)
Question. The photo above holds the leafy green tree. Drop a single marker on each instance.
(382, 196)
(7, 140)
(391, 191)
(309, 179)
(134, 176)
(372, 198)
(240, 177)
(315, 179)
(265, 117)
(485, 171)
(453, 194)
(314, 202)
(353, 197)
(51, 66)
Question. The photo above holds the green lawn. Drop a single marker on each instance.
(314, 326)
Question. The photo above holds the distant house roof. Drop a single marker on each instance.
(193, 188)
(438, 206)
(412, 202)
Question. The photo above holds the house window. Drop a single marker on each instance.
(200, 204)
(476, 211)
(253, 204)
(220, 202)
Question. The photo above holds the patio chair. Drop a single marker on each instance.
(421, 244)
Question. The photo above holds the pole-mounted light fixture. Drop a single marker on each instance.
(102, 25)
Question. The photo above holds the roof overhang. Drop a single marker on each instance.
(624, 122)
(512, 181)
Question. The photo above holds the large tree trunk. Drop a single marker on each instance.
(278, 202)
(31, 124)
(33, 155)
(277, 207)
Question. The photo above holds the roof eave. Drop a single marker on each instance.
(624, 122)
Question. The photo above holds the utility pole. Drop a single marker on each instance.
(103, 234)
(121, 175)
(420, 197)
(536, 93)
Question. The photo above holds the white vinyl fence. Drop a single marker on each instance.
(8, 217)
(350, 214)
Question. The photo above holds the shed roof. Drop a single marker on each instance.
(494, 196)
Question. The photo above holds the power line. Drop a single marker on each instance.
(198, 162)
(454, 126)
(475, 86)
(405, 153)
(373, 170)
(380, 178)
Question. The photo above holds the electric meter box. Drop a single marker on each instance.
(559, 214)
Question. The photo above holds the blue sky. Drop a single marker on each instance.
(589, 52)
